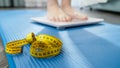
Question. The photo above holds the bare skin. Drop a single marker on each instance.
(67, 8)
(55, 13)
(65, 13)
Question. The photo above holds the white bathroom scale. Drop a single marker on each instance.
(62, 25)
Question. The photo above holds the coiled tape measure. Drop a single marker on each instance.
(42, 46)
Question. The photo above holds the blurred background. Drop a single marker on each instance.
(108, 5)
(22, 3)
(42, 3)
(106, 9)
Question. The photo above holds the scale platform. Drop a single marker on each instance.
(63, 25)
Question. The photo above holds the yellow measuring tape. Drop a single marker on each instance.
(42, 46)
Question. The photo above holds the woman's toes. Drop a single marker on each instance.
(53, 18)
(50, 18)
(63, 19)
(85, 17)
(56, 19)
(81, 16)
(68, 19)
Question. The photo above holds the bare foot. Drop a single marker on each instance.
(57, 14)
(74, 14)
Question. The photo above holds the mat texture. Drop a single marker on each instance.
(93, 46)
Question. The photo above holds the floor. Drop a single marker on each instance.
(110, 17)
(3, 61)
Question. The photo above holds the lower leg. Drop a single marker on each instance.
(66, 3)
(66, 6)
(52, 4)
(55, 13)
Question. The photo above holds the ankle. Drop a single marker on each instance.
(52, 4)
(66, 6)
(52, 7)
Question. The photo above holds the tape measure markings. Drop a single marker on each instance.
(42, 46)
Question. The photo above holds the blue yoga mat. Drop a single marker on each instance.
(91, 46)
